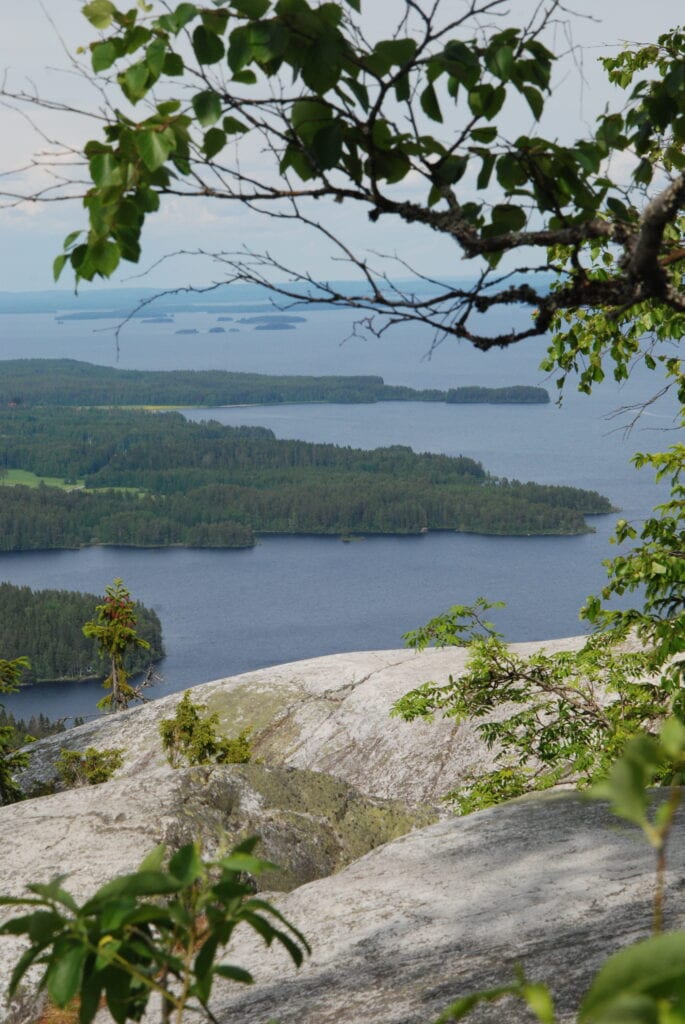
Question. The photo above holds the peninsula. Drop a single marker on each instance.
(70, 382)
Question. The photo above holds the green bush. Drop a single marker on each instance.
(191, 736)
(88, 767)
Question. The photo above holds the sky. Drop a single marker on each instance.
(37, 42)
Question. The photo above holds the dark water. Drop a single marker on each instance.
(225, 612)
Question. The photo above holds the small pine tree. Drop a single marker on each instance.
(115, 631)
(88, 767)
(191, 736)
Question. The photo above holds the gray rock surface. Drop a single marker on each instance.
(554, 883)
(310, 823)
(325, 714)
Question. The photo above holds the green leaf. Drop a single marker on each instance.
(540, 1002)
(510, 172)
(450, 170)
(245, 77)
(486, 100)
(535, 100)
(395, 52)
(213, 142)
(154, 147)
(186, 864)
(179, 19)
(58, 266)
(232, 126)
(173, 64)
(64, 973)
(655, 966)
(71, 238)
(429, 103)
(134, 81)
(239, 48)
(21, 967)
(142, 883)
(234, 974)
(103, 55)
(208, 47)
(502, 62)
(327, 145)
(508, 218)
(485, 172)
(207, 107)
(99, 13)
(105, 256)
(627, 781)
(251, 8)
(310, 116)
(672, 738)
(155, 57)
(486, 134)
(105, 170)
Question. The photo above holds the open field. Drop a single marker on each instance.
(12, 477)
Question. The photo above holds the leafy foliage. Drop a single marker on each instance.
(191, 736)
(115, 631)
(337, 114)
(157, 930)
(550, 718)
(88, 767)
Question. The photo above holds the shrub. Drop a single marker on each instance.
(191, 736)
(88, 767)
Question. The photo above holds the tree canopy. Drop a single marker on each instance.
(414, 126)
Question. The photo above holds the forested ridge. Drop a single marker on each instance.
(68, 382)
(208, 485)
(46, 626)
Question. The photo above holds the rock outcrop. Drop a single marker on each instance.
(310, 824)
(325, 714)
(553, 883)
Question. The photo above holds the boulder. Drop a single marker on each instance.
(329, 714)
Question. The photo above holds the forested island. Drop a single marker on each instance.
(155, 479)
(46, 627)
(69, 382)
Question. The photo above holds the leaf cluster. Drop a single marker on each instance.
(353, 118)
(549, 717)
(158, 930)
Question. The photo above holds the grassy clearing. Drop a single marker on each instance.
(23, 476)
(13, 477)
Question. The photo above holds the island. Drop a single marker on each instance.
(46, 627)
(155, 479)
(73, 382)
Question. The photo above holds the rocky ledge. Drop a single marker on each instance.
(328, 714)
(403, 916)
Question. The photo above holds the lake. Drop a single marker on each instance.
(225, 612)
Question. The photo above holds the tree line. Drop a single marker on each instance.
(46, 626)
(71, 382)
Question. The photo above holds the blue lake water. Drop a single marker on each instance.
(225, 612)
